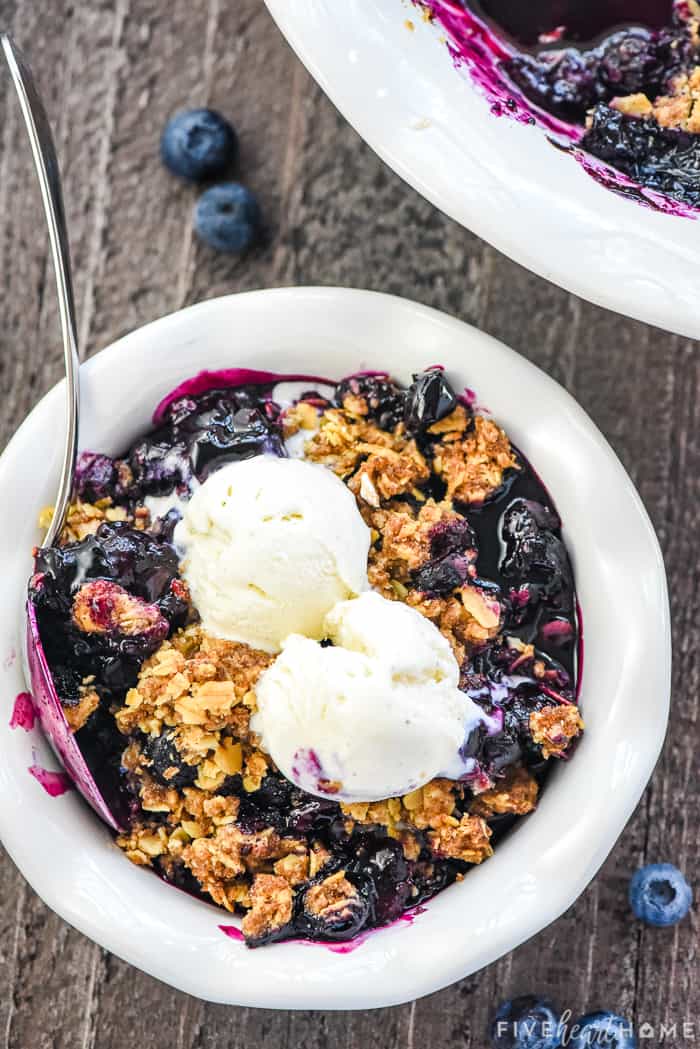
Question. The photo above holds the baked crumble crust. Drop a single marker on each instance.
(84, 518)
(473, 465)
(338, 440)
(516, 793)
(387, 473)
(78, 713)
(301, 416)
(332, 898)
(465, 839)
(464, 617)
(196, 681)
(198, 828)
(101, 607)
(210, 731)
(271, 906)
(680, 108)
(377, 465)
(553, 728)
(294, 868)
(406, 535)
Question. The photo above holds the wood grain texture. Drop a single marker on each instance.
(112, 72)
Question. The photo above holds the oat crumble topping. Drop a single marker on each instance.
(516, 793)
(473, 466)
(466, 839)
(271, 906)
(554, 728)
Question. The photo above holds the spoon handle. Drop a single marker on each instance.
(46, 164)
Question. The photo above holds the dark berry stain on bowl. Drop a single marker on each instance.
(462, 529)
(23, 712)
(612, 80)
(54, 783)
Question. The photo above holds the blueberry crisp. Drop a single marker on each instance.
(625, 75)
(317, 643)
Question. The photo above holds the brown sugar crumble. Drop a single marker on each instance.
(78, 713)
(271, 906)
(466, 839)
(679, 109)
(331, 898)
(516, 793)
(554, 728)
(473, 466)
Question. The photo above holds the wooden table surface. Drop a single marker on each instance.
(112, 72)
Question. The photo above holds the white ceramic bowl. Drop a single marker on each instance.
(68, 856)
(504, 181)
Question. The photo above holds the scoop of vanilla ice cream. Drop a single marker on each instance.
(376, 715)
(269, 547)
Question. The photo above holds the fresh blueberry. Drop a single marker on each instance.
(227, 217)
(602, 1030)
(198, 144)
(660, 895)
(527, 1022)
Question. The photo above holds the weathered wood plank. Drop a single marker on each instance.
(113, 71)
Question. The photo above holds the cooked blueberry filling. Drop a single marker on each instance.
(105, 604)
(576, 20)
(570, 81)
(197, 435)
(663, 159)
(462, 530)
(385, 402)
(429, 399)
(166, 763)
(627, 73)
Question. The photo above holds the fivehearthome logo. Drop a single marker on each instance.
(670, 1033)
(601, 1030)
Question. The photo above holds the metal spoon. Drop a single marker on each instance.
(46, 700)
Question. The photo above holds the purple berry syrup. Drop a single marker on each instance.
(346, 946)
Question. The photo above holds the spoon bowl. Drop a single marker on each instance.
(48, 709)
